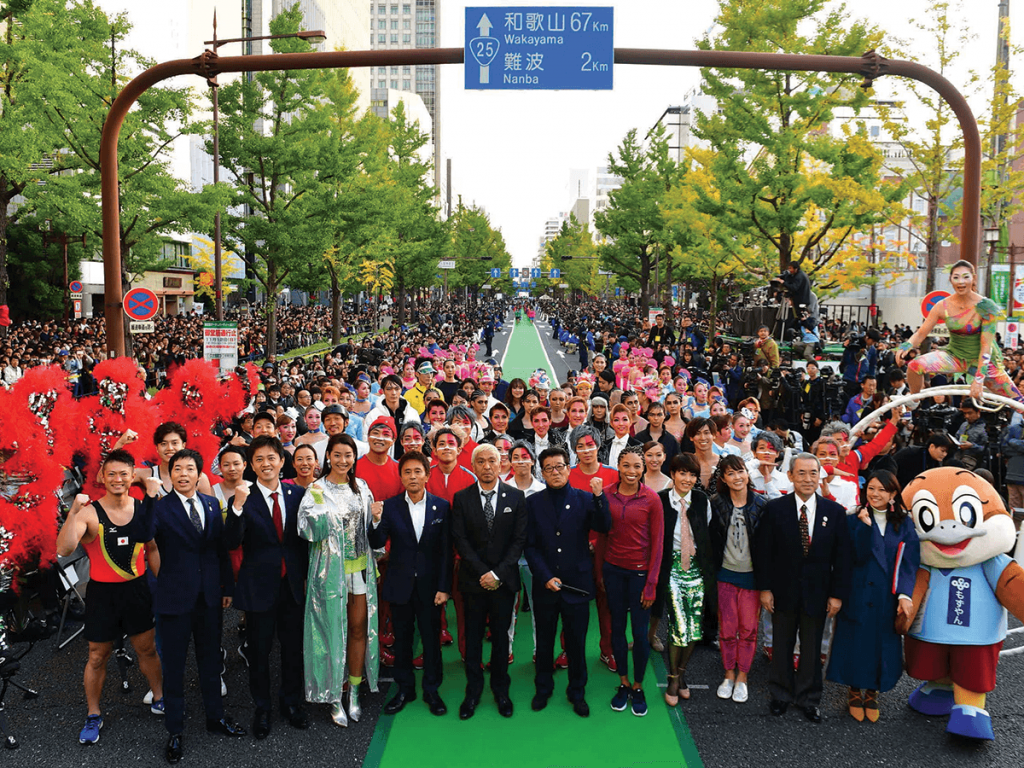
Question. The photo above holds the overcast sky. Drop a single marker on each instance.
(511, 151)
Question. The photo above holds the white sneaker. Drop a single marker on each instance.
(725, 689)
(148, 698)
(739, 693)
(223, 688)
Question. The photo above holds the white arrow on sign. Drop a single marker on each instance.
(484, 49)
(484, 26)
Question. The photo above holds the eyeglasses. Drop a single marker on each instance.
(554, 468)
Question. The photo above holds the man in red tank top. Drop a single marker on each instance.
(119, 602)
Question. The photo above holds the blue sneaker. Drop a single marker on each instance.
(621, 698)
(932, 699)
(639, 703)
(91, 732)
(157, 707)
(970, 722)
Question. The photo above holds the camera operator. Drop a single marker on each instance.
(785, 390)
(814, 414)
(797, 286)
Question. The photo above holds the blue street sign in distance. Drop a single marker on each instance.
(555, 274)
(618, 291)
(495, 273)
(535, 273)
(525, 48)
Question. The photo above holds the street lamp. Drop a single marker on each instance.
(311, 36)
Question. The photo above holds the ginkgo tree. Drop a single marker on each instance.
(201, 259)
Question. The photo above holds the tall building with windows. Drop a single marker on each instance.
(401, 25)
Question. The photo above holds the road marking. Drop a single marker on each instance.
(551, 369)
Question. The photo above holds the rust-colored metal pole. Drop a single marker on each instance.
(209, 64)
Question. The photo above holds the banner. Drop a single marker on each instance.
(1017, 307)
(220, 345)
(1001, 285)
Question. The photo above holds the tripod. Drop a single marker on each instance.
(7, 672)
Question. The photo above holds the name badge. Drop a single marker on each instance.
(122, 541)
(958, 609)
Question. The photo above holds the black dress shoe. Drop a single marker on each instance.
(467, 708)
(813, 714)
(581, 708)
(435, 703)
(261, 723)
(778, 707)
(224, 726)
(173, 751)
(297, 717)
(398, 702)
(539, 702)
(504, 705)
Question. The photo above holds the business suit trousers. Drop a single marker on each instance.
(420, 612)
(575, 621)
(802, 687)
(625, 588)
(285, 620)
(203, 625)
(479, 606)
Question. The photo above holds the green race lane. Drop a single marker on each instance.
(555, 737)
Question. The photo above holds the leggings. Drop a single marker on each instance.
(624, 589)
(941, 361)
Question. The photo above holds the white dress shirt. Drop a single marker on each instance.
(677, 502)
(418, 513)
(494, 505)
(617, 445)
(198, 505)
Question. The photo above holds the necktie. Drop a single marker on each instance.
(687, 549)
(193, 515)
(805, 536)
(279, 526)
(489, 510)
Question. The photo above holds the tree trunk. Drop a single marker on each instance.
(4, 222)
(933, 244)
(713, 309)
(335, 308)
(400, 288)
(645, 283)
(271, 309)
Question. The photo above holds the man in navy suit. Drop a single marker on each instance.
(489, 531)
(559, 521)
(271, 585)
(193, 583)
(419, 578)
(802, 565)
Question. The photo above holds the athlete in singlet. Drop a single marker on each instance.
(169, 438)
(119, 602)
(971, 320)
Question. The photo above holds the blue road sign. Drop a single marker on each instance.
(555, 274)
(496, 273)
(618, 291)
(675, 291)
(524, 48)
(535, 273)
(513, 272)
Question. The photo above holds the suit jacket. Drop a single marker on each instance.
(191, 563)
(801, 583)
(259, 576)
(424, 565)
(499, 551)
(558, 540)
(697, 514)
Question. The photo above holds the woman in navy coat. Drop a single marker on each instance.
(867, 653)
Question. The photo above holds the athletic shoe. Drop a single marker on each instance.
(639, 703)
(223, 688)
(157, 707)
(387, 639)
(387, 658)
(621, 698)
(242, 649)
(417, 663)
(767, 651)
(609, 661)
(562, 662)
(91, 732)
(148, 698)
(446, 637)
(740, 693)
(725, 689)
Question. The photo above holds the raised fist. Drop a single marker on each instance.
(153, 486)
(596, 486)
(377, 509)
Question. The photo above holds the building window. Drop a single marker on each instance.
(382, 70)
(406, 69)
(394, 39)
(406, 39)
(406, 8)
(394, 23)
(406, 24)
(394, 9)
(382, 83)
(875, 131)
(382, 24)
(382, 39)
(406, 85)
(394, 70)
(394, 84)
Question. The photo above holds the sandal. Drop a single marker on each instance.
(684, 689)
(856, 704)
(672, 691)
(871, 706)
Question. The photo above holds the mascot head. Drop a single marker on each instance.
(960, 518)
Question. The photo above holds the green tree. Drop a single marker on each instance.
(634, 221)
(573, 252)
(786, 185)
(477, 248)
(272, 142)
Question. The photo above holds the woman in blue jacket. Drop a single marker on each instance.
(867, 653)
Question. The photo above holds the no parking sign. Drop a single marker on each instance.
(931, 300)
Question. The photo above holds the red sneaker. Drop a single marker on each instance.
(387, 639)
(609, 661)
(387, 658)
(446, 637)
(796, 661)
(562, 662)
(417, 663)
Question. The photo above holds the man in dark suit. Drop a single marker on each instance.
(559, 521)
(802, 566)
(193, 584)
(489, 531)
(271, 585)
(418, 581)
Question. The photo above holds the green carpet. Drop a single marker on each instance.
(555, 737)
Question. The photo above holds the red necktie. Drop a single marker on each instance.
(279, 525)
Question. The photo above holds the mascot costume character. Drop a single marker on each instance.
(964, 587)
